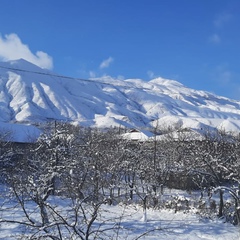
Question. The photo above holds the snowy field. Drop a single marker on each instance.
(122, 222)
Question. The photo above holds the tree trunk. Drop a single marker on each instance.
(220, 212)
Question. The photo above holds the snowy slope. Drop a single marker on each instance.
(35, 95)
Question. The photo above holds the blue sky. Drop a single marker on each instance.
(196, 42)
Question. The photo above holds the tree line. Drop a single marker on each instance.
(93, 166)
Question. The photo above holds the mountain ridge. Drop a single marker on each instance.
(29, 94)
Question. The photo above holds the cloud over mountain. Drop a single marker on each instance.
(12, 48)
(106, 63)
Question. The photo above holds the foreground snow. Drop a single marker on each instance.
(131, 223)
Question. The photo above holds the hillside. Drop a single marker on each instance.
(29, 95)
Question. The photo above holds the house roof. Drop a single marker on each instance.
(135, 134)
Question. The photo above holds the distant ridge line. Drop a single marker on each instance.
(71, 78)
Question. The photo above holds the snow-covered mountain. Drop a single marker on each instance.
(29, 94)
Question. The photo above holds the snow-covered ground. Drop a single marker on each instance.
(128, 221)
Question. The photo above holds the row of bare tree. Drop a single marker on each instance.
(93, 167)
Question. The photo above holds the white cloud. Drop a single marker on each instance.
(150, 74)
(12, 48)
(92, 74)
(222, 19)
(120, 77)
(215, 38)
(106, 63)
